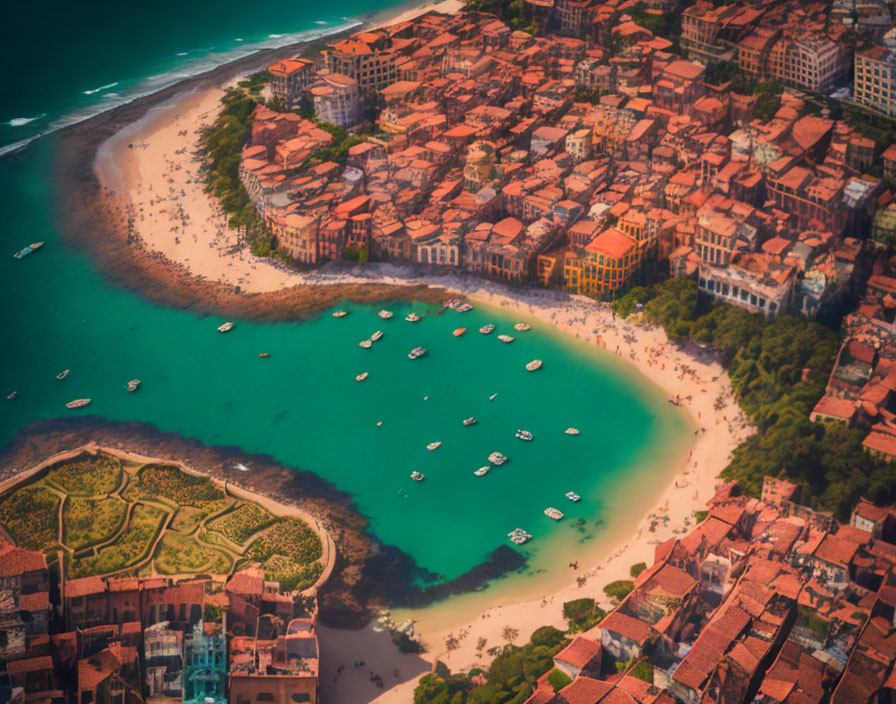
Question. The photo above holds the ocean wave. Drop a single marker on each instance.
(182, 53)
(321, 22)
(238, 39)
(97, 90)
(275, 36)
(22, 121)
(153, 84)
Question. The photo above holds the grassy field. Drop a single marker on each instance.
(168, 482)
(181, 554)
(86, 522)
(30, 517)
(242, 523)
(87, 476)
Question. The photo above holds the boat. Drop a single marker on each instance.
(571, 431)
(33, 247)
(551, 512)
(413, 318)
(453, 304)
(524, 434)
(362, 376)
(226, 327)
(78, 403)
(522, 327)
(240, 467)
(487, 328)
(376, 336)
(505, 338)
(497, 459)
(519, 537)
(464, 308)
(416, 352)
(11, 396)
(340, 313)
(459, 331)
(434, 445)
(417, 476)
(133, 385)
(573, 496)
(493, 397)
(264, 354)
(385, 314)
(64, 373)
(534, 365)
(482, 471)
(366, 344)
(470, 421)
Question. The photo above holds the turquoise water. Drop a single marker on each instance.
(303, 406)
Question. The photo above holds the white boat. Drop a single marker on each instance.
(24, 252)
(497, 459)
(64, 373)
(573, 496)
(78, 403)
(493, 397)
(417, 476)
(413, 318)
(416, 352)
(571, 431)
(434, 445)
(524, 434)
(519, 537)
(551, 512)
(464, 308)
(226, 327)
(534, 365)
(362, 376)
(11, 396)
(240, 467)
(522, 327)
(482, 471)
(340, 313)
(487, 328)
(366, 344)
(133, 385)
(376, 336)
(470, 421)
(385, 314)
(505, 338)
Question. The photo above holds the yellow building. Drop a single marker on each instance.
(572, 271)
(608, 262)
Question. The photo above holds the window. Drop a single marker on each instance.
(264, 697)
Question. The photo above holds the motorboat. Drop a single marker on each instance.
(340, 313)
(571, 431)
(416, 352)
(493, 397)
(362, 376)
(524, 435)
(534, 365)
(573, 496)
(385, 314)
(487, 328)
(482, 471)
(459, 331)
(413, 318)
(240, 467)
(226, 327)
(133, 385)
(519, 537)
(506, 338)
(264, 354)
(64, 373)
(376, 336)
(551, 512)
(522, 327)
(464, 308)
(434, 445)
(366, 344)
(417, 476)
(78, 403)
(470, 421)
(497, 459)
(11, 396)
(30, 249)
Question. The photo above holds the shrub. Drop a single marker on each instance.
(637, 569)
(558, 680)
(619, 589)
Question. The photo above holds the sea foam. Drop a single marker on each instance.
(22, 121)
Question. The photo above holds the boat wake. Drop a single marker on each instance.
(153, 84)
(101, 88)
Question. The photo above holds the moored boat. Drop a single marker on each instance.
(78, 403)
(519, 537)
(413, 318)
(340, 313)
(497, 459)
(470, 421)
(133, 385)
(362, 376)
(573, 496)
(64, 373)
(534, 365)
(459, 331)
(376, 336)
(482, 471)
(240, 467)
(31, 248)
(226, 327)
(487, 328)
(551, 512)
(571, 431)
(417, 476)
(366, 344)
(416, 352)
(11, 396)
(434, 445)
(464, 308)
(522, 327)
(505, 338)
(524, 434)
(385, 314)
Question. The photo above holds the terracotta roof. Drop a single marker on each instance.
(585, 690)
(579, 653)
(626, 626)
(84, 586)
(611, 242)
(17, 561)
